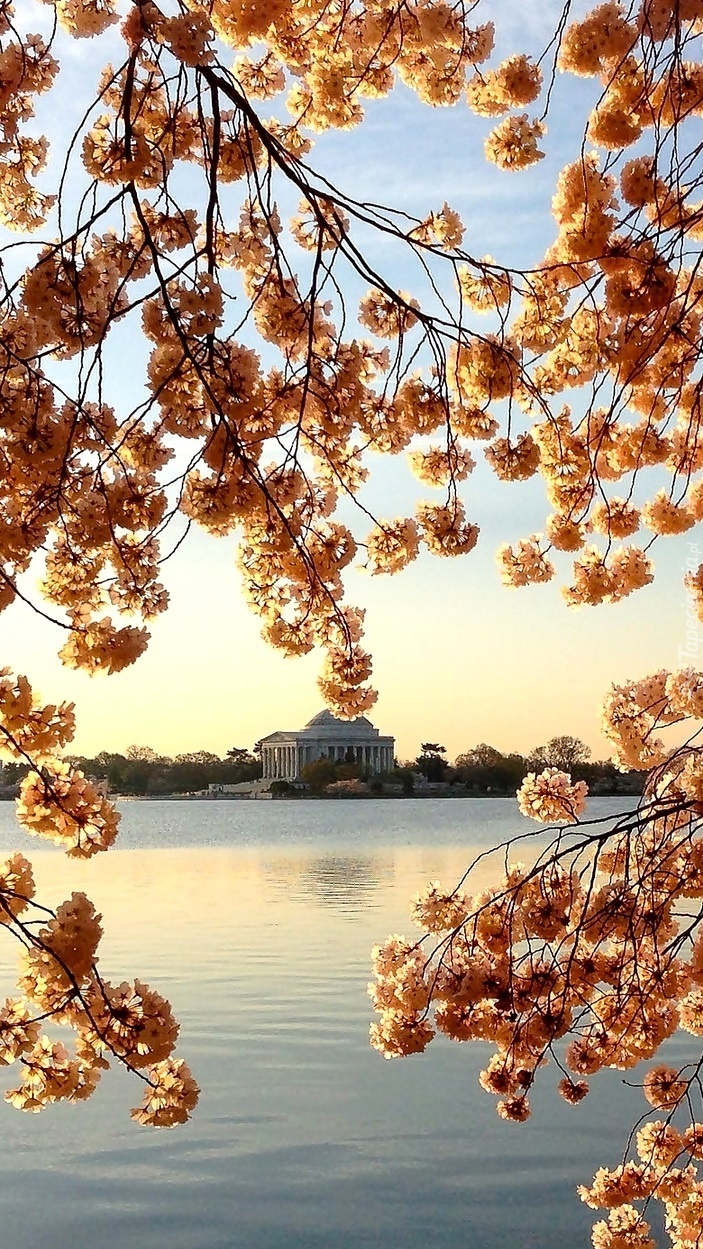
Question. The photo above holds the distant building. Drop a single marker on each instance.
(244, 789)
(284, 755)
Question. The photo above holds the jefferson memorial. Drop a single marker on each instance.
(284, 755)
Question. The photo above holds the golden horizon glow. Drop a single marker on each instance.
(458, 659)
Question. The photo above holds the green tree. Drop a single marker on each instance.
(280, 787)
(319, 774)
(240, 756)
(480, 756)
(142, 754)
(486, 770)
(201, 758)
(563, 752)
(432, 762)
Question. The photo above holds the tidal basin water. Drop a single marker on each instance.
(256, 920)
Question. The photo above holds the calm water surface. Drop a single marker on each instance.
(256, 920)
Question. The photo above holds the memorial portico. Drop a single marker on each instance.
(285, 754)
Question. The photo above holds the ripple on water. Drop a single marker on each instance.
(257, 919)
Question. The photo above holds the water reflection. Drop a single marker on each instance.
(305, 1137)
(347, 882)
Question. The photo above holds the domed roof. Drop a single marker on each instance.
(325, 720)
(322, 717)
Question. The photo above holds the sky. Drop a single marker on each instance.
(457, 658)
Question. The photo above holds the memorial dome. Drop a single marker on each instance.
(325, 720)
(284, 755)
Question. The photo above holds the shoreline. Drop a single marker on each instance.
(308, 797)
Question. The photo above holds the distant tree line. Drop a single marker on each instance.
(142, 771)
(484, 769)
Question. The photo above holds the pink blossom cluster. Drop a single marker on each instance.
(58, 979)
(589, 959)
(550, 795)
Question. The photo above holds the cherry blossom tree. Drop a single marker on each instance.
(264, 387)
(562, 752)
